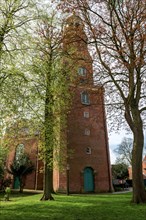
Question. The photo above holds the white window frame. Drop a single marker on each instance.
(85, 98)
(86, 114)
(82, 71)
(87, 131)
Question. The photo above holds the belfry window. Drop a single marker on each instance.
(85, 98)
(82, 71)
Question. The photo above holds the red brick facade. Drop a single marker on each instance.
(89, 163)
(88, 150)
(87, 167)
(34, 180)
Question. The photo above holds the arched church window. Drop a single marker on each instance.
(19, 151)
(85, 98)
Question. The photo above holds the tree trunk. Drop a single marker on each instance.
(134, 120)
(21, 184)
(139, 193)
(49, 136)
(48, 179)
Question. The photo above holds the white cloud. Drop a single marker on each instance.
(114, 140)
(112, 157)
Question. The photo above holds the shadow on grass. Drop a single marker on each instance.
(73, 207)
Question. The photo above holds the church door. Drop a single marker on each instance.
(16, 183)
(88, 180)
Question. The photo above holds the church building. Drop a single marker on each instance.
(87, 166)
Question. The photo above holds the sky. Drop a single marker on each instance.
(115, 139)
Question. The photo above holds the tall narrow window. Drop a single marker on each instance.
(85, 98)
(82, 71)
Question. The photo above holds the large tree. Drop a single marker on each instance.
(116, 31)
(16, 18)
(49, 82)
(33, 81)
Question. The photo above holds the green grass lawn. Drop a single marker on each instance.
(72, 207)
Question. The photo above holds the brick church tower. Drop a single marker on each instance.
(87, 168)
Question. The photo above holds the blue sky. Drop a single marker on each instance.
(115, 139)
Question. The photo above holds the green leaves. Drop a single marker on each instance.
(3, 156)
(21, 166)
